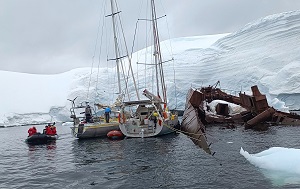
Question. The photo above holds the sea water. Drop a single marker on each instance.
(171, 161)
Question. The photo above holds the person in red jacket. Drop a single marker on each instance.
(48, 130)
(32, 131)
(53, 130)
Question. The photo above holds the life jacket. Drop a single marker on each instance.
(48, 131)
(53, 130)
(34, 130)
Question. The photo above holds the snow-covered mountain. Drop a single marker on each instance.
(263, 53)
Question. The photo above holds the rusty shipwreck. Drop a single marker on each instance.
(254, 113)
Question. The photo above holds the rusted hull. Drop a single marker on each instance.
(257, 111)
(260, 118)
(282, 118)
(191, 124)
(212, 118)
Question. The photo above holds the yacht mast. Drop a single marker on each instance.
(113, 13)
(118, 56)
(157, 54)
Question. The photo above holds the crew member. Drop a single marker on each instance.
(88, 114)
(154, 118)
(107, 114)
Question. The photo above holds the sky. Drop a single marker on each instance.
(51, 36)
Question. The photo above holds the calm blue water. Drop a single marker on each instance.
(171, 161)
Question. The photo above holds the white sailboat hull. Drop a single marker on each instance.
(136, 130)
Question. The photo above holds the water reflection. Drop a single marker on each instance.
(96, 151)
(46, 150)
(126, 161)
(49, 146)
(280, 178)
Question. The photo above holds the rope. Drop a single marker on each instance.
(100, 52)
(220, 161)
(184, 132)
(188, 133)
(192, 138)
(175, 91)
(93, 59)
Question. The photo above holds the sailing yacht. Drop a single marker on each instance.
(98, 127)
(150, 117)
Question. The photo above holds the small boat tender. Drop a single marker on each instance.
(39, 138)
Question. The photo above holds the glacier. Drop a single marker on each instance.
(263, 53)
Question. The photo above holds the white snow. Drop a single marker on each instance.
(263, 53)
(233, 108)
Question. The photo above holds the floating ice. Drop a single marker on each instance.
(279, 164)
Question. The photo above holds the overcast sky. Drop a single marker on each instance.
(53, 36)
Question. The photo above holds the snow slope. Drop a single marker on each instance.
(263, 53)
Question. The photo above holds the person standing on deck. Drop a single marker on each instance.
(88, 114)
(107, 114)
(154, 118)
